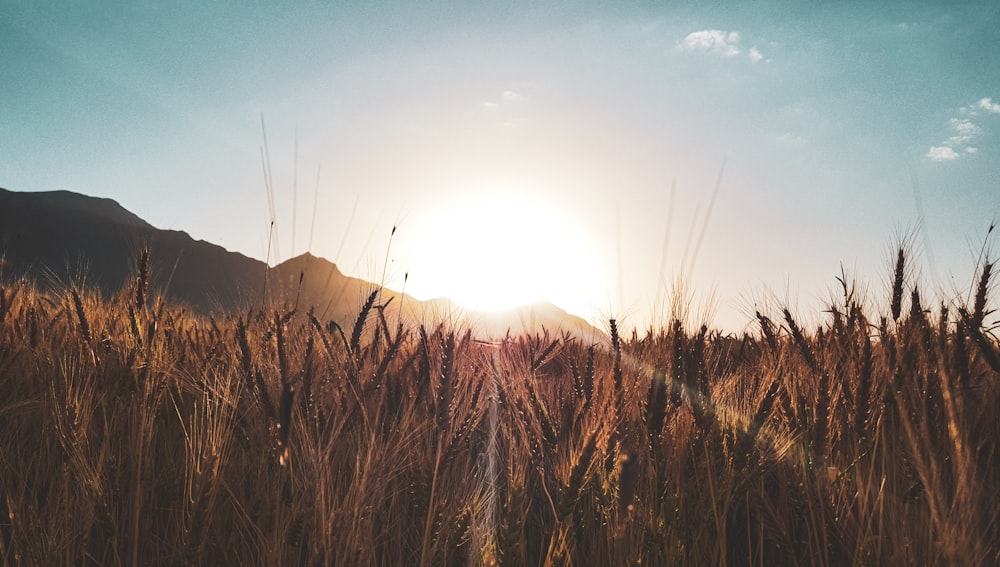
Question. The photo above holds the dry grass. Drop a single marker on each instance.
(134, 433)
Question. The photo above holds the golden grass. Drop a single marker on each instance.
(135, 433)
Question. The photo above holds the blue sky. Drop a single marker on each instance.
(831, 121)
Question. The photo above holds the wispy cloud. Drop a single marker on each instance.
(941, 153)
(505, 109)
(511, 96)
(964, 131)
(506, 98)
(713, 41)
(988, 105)
(790, 138)
(719, 42)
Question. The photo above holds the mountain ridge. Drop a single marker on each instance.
(76, 238)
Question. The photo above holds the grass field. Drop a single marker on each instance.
(134, 433)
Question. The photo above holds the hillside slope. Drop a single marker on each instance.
(60, 236)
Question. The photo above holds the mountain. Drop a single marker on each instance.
(72, 238)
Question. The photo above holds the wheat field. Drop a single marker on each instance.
(133, 432)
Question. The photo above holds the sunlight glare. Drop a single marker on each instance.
(496, 246)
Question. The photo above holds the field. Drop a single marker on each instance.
(132, 432)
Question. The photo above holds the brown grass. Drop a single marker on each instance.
(149, 436)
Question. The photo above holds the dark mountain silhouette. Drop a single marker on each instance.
(66, 237)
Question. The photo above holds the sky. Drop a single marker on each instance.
(605, 158)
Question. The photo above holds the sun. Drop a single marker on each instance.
(496, 246)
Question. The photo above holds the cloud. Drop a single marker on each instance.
(964, 131)
(963, 126)
(790, 138)
(506, 98)
(988, 105)
(721, 43)
(717, 42)
(511, 96)
(941, 153)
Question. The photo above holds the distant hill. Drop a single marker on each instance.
(63, 236)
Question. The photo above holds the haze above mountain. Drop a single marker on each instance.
(63, 238)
